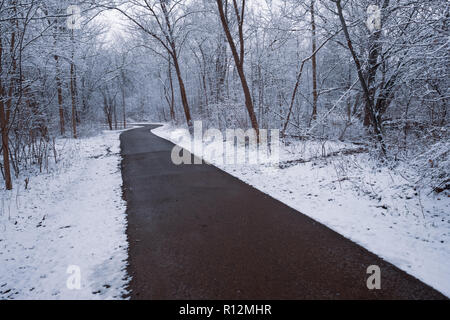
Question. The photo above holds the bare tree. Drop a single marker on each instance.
(73, 88)
(364, 86)
(239, 57)
(162, 21)
(314, 61)
(4, 124)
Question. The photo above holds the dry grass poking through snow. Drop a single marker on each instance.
(73, 215)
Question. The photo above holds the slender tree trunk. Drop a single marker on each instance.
(291, 105)
(174, 53)
(297, 83)
(5, 145)
(314, 62)
(115, 113)
(172, 94)
(109, 118)
(73, 92)
(205, 88)
(184, 99)
(221, 70)
(74, 101)
(4, 128)
(13, 62)
(203, 84)
(5, 114)
(60, 97)
(75, 82)
(107, 108)
(239, 60)
(369, 101)
(372, 62)
(124, 111)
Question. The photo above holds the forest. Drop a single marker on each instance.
(374, 73)
(97, 96)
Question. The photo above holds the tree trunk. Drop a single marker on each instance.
(184, 99)
(115, 113)
(173, 52)
(172, 94)
(369, 101)
(124, 111)
(74, 101)
(239, 60)
(73, 93)
(372, 62)
(60, 97)
(4, 128)
(314, 62)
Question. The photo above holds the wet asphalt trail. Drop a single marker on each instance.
(196, 232)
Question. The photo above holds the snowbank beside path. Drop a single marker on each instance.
(69, 225)
(373, 206)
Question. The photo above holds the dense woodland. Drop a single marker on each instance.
(370, 72)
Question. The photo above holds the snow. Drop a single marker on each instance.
(72, 215)
(375, 206)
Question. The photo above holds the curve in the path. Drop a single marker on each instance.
(196, 232)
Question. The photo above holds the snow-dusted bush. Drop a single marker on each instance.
(434, 167)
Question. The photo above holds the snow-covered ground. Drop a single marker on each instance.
(374, 206)
(70, 222)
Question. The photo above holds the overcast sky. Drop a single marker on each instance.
(114, 22)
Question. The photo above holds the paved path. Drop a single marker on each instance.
(196, 232)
